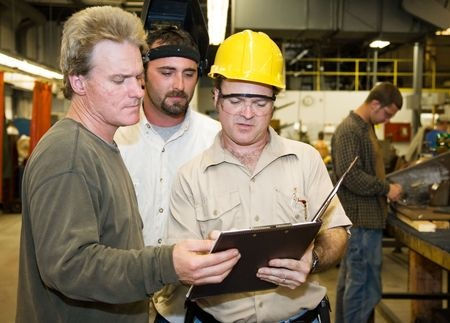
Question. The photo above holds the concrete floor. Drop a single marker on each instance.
(394, 276)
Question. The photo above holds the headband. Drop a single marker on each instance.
(171, 51)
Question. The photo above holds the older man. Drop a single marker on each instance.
(82, 255)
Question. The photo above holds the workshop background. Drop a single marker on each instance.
(335, 51)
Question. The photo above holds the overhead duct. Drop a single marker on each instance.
(429, 10)
(337, 19)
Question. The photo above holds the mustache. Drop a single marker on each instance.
(240, 119)
(178, 94)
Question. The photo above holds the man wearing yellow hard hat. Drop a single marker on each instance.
(252, 177)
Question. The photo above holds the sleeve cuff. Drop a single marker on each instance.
(168, 273)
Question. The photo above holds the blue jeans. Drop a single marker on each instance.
(359, 281)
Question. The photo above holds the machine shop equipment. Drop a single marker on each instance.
(426, 188)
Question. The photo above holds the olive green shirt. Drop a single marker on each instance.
(82, 255)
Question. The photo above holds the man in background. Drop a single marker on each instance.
(363, 194)
(82, 254)
(431, 136)
(168, 134)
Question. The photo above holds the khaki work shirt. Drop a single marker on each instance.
(216, 192)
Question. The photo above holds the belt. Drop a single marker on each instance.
(322, 310)
(194, 311)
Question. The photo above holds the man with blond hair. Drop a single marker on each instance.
(82, 254)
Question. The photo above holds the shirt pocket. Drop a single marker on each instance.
(220, 211)
(290, 207)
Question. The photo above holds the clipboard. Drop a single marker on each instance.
(258, 245)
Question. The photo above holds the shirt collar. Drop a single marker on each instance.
(145, 125)
(359, 121)
(273, 150)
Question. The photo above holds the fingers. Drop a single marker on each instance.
(217, 258)
(195, 265)
(395, 191)
(290, 273)
(216, 273)
(290, 264)
(213, 235)
(201, 246)
(281, 277)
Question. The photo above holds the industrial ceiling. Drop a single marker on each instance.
(326, 27)
(306, 28)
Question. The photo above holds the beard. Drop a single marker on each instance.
(175, 109)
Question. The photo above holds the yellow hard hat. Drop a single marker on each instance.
(250, 56)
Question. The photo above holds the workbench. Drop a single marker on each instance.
(428, 259)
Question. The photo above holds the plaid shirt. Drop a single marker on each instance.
(361, 190)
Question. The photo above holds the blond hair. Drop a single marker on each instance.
(84, 29)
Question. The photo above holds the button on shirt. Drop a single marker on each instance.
(153, 163)
(216, 192)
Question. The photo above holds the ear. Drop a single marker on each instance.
(78, 84)
(375, 105)
(215, 96)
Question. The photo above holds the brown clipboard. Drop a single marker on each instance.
(258, 245)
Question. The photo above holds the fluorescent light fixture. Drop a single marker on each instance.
(298, 57)
(379, 44)
(217, 20)
(445, 32)
(27, 67)
(21, 81)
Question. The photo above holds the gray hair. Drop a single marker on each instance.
(84, 29)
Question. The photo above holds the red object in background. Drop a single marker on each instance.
(398, 131)
(40, 115)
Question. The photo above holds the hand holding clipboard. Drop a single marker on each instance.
(259, 245)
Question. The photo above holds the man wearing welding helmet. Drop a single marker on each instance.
(168, 134)
(252, 177)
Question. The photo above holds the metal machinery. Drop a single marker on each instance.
(425, 207)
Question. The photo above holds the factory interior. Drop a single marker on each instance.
(335, 52)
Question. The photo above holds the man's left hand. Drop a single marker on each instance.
(288, 272)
